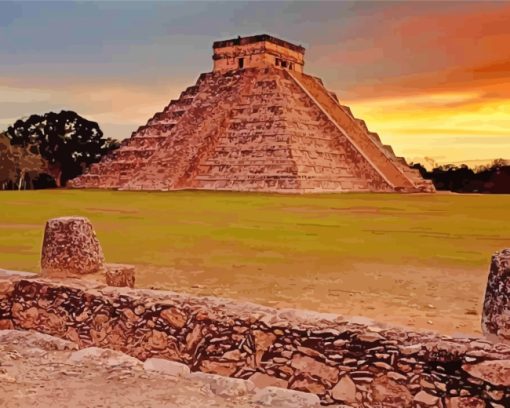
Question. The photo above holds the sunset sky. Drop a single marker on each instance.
(432, 78)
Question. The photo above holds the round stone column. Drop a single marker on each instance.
(70, 248)
(496, 306)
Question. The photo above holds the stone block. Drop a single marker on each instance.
(70, 248)
(36, 340)
(496, 307)
(281, 398)
(167, 367)
(120, 275)
(262, 380)
(110, 358)
(224, 386)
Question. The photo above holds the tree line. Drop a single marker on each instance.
(491, 179)
(47, 150)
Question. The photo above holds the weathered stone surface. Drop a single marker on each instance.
(278, 397)
(223, 368)
(496, 307)
(493, 372)
(307, 383)
(465, 402)
(224, 386)
(109, 357)
(264, 127)
(36, 339)
(409, 350)
(313, 367)
(166, 367)
(120, 275)
(345, 390)
(391, 393)
(262, 380)
(426, 399)
(174, 317)
(70, 247)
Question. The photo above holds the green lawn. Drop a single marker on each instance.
(219, 230)
(258, 241)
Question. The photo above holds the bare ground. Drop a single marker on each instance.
(35, 371)
(445, 300)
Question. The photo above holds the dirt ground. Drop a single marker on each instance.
(446, 300)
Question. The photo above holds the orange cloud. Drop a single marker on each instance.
(441, 85)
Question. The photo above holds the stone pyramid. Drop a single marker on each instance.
(256, 123)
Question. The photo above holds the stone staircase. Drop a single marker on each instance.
(119, 166)
(175, 162)
(393, 169)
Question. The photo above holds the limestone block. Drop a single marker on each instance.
(167, 367)
(224, 386)
(70, 247)
(279, 397)
(262, 380)
(494, 372)
(110, 358)
(36, 340)
(120, 275)
(496, 307)
(345, 390)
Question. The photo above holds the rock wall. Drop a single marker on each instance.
(496, 306)
(353, 362)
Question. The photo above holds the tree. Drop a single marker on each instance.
(20, 167)
(68, 142)
(492, 179)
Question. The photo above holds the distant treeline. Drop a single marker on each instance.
(45, 151)
(492, 179)
(22, 168)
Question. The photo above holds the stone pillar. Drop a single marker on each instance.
(496, 307)
(120, 275)
(70, 248)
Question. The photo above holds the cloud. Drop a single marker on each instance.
(432, 78)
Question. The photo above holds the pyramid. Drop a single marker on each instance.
(255, 123)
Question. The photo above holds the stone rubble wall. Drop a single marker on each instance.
(119, 380)
(496, 307)
(353, 362)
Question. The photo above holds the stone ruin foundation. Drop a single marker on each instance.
(71, 249)
(356, 362)
(341, 360)
(496, 307)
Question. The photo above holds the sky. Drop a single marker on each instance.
(432, 78)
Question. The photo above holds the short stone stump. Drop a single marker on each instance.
(120, 275)
(496, 307)
(70, 248)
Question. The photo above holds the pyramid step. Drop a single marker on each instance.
(248, 130)
(351, 129)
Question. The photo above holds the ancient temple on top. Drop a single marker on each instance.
(256, 123)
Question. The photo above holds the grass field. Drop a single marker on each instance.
(410, 259)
